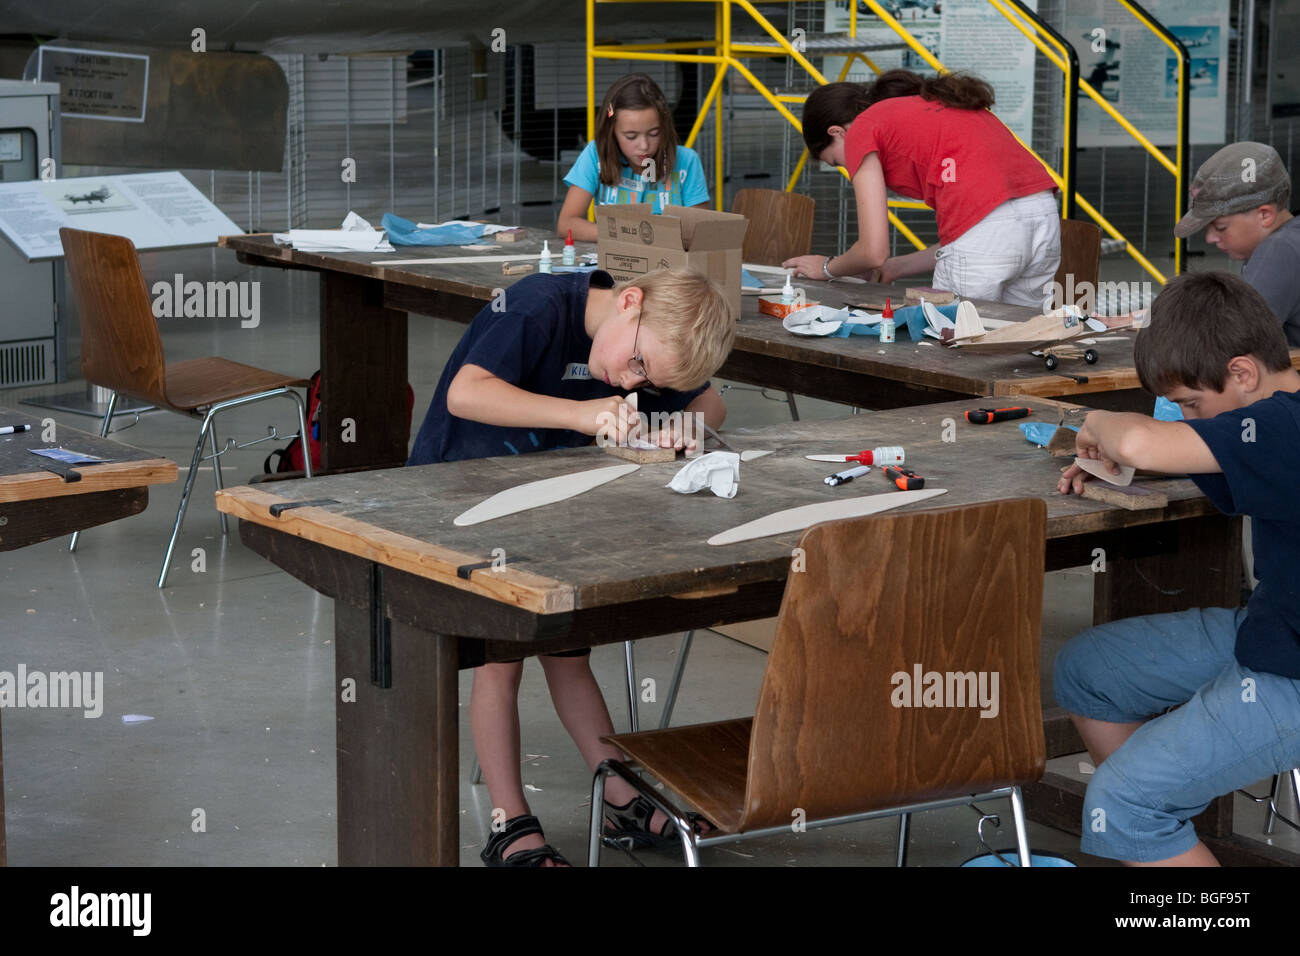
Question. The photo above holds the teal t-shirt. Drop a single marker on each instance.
(686, 185)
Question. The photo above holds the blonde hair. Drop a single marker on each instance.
(689, 314)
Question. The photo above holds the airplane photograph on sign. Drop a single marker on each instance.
(79, 201)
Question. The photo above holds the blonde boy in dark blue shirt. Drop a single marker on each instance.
(548, 368)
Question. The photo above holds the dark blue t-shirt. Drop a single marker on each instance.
(1258, 448)
(540, 344)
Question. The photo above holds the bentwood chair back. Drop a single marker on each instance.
(1080, 258)
(903, 677)
(780, 224)
(121, 349)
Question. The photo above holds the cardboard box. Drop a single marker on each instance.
(772, 305)
(632, 241)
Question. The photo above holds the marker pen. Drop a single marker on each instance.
(12, 429)
(847, 476)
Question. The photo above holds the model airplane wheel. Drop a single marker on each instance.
(1050, 361)
(1090, 356)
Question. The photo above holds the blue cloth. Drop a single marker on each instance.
(540, 344)
(1258, 449)
(1040, 433)
(1166, 411)
(686, 185)
(748, 279)
(913, 318)
(910, 319)
(403, 232)
(1234, 726)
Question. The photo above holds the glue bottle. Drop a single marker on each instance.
(887, 323)
(884, 455)
(569, 251)
(787, 291)
(544, 261)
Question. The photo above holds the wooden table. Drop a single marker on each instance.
(36, 505)
(363, 331)
(417, 598)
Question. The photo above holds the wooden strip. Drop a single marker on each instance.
(509, 585)
(642, 456)
(1134, 499)
(1110, 380)
(106, 477)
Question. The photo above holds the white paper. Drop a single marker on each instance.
(719, 471)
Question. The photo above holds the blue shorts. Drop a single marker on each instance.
(1231, 726)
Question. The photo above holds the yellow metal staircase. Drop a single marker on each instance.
(726, 54)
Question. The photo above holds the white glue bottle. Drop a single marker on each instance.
(544, 261)
(787, 291)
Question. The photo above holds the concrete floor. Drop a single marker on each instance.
(234, 665)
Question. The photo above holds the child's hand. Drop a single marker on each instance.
(806, 267)
(672, 436)
(1073, 480)
(1088, 445)
(612, 420)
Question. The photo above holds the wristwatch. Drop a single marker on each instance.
(826, 267)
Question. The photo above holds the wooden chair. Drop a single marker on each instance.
(1080, 257)
(834, 739)
(121, 349)
(780, 224)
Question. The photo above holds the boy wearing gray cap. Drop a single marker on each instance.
(1240, 196)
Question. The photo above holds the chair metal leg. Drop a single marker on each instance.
(185, 499)
(103, 432)
(1022, 834)
(904, 832)
(632, 716)
(476, 774)
(597, 816)
(204, 431)
(1273, 814)
(794, 409)
(1273, 791)
(678, 670)
(216, 473)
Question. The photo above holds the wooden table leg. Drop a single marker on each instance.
(398, 757)
(363, 374)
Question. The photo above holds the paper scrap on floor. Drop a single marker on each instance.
(355, 235)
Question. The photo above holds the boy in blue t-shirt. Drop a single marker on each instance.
(546, 366)
(1232, 677)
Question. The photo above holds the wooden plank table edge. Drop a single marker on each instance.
(109, 476)
(522, 589)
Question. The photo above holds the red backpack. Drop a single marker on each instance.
(291, 455)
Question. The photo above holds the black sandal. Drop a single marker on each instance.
(628, 827)
(516, 827)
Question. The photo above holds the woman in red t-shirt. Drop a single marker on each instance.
(934, 139)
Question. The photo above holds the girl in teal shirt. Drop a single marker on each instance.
(633, 159)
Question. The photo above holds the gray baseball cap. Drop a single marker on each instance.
(1238, 178)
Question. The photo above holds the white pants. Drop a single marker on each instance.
(1011, 255)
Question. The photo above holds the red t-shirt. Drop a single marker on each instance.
(963, 164)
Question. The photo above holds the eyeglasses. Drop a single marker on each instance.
(636, 364)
